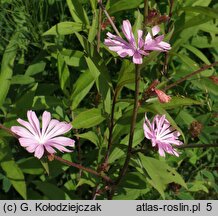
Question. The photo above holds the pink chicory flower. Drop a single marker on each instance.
(162, 135)
(123, 48)
(162, 97)
(154, 42)
(136, 49)
(45, 138)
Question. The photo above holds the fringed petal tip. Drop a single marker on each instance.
(162, 135)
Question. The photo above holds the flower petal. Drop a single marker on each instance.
(39, 151)
(22, 132)
(127, 31)
(46, 118)
(58, 129)
(34, 121)
(137, 58)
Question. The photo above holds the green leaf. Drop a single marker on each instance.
(123, 5)
(16, 177)
(31, 166)
(77, 11)
(126, 74)
(5, 151)
(51, 191)
(91, 136)
(7, 65)
(116, 153)
(193, 21)
(93, 68)
(26, 101)
(103, 83)
(177, 102)
(88, 118)
(137, 139)
(160, 173)
(93, 4)
(198, 186)
(81, 88)
(201, 2)
(45, 102)
(22, 80)
(206, 85)
(83, 181)
(185, 118)
(94, 28)
(74, 58)
(6, 184)
(64, 74)
(44, 163)
(35, 68)
(211, 12)
(64, 28)
(204, 42)
(198, 53)
(188, 61)
(131, 187)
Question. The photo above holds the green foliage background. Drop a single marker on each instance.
(49, 62)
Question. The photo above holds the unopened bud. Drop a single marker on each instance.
(162, 97)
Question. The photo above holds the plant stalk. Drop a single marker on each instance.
(106, 178)
(99, 29)
(145, 12)
(132, 127)
(205, 67)
(110, 138)
(109, 18)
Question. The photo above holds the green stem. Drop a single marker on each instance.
(145, 11)
(99, 29)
